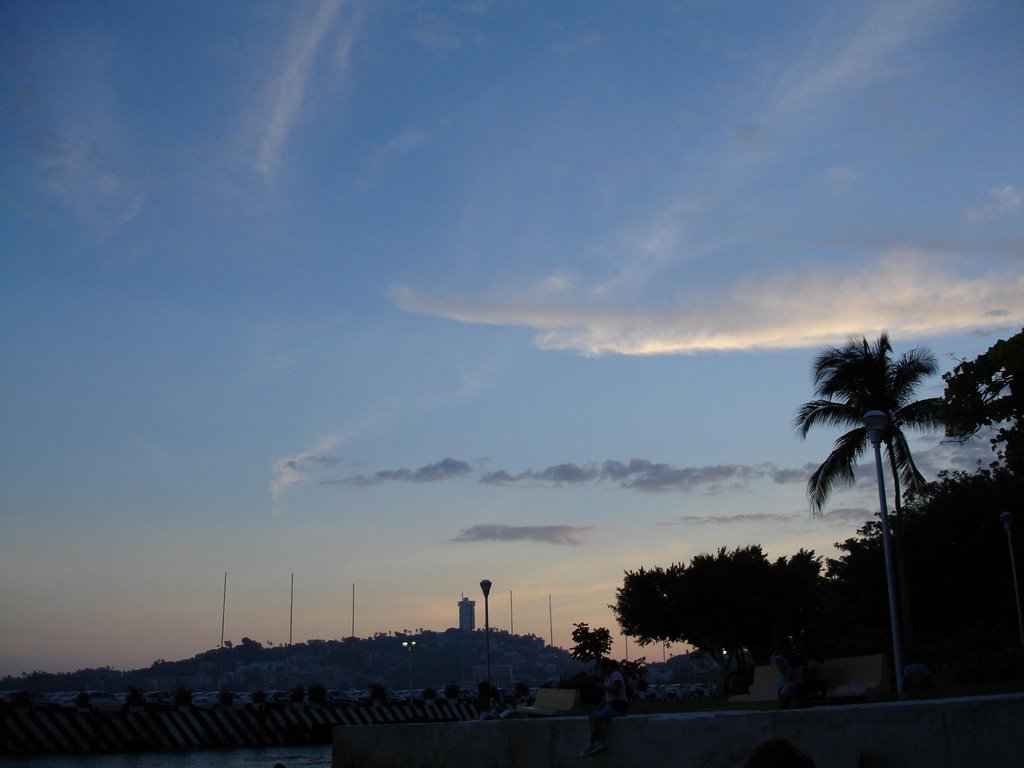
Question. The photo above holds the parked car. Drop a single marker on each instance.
(62, 699)
(43, 701)
(340, 698)
(158, 699)
(98, 701)
(15, 698)
(206, 699)
(277, 699)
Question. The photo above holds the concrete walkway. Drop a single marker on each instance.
(942, 733)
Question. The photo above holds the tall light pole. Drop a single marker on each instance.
(1007, 520)
(485, 587)
(876, 422)
(409, 645)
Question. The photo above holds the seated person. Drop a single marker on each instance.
(792, 679)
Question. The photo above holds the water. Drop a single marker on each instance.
(317, 756)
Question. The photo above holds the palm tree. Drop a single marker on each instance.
(850, 381)
(857, 378)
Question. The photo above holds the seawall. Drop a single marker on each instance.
(27, 732)
(943, 733)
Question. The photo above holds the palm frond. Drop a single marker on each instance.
(837, 468)
(922, 414)
(910, 477)
(824, 413)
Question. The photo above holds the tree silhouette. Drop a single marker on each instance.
(857, 378)
(590, 644)
(727, 603)
(850, 381)
(988, 392)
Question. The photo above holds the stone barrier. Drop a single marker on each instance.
(25, 732)
(941, 733)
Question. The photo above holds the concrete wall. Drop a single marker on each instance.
(948, 733)
(28, 732)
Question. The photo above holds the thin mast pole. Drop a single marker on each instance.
(291, 611)
(551, 626)
(223, 608)
(511, 621)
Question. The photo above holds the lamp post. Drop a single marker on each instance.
(876, 422)
(1007, 520)
(409, 645)
(485, 587)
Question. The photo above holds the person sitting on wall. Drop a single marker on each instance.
(615, 705)
(792, 683)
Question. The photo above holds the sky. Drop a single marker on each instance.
(385, 298)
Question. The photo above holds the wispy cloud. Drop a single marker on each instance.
(439, 34)
(1001, 201)
(446, 469)
(740, 519)
(547, 534)
(286, 90)
(906, 292)
(289, 471)
(635, 475)
(876, 50)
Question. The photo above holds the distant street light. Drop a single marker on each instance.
(876, 422)
(1007, 520)
(485, 587)
(409, 645)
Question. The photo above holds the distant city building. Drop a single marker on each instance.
(467, 614)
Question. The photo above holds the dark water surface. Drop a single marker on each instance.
(318, 756)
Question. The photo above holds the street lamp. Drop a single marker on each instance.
(876, 422)
(1007, 520)
(409, 645)
(485, 587)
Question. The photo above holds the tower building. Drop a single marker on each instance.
(467, 614)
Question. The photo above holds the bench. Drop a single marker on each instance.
(764, 686)
(855, 677)
(845, 679)
(553, 701)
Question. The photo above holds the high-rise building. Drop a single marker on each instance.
(467, 614)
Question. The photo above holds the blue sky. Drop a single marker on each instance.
(408, 294)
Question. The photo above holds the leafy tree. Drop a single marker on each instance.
(988, 392)
(724, 603)
(857, 378)
(961, 584)
(590, 644)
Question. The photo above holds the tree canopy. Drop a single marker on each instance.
(590, 644)
(987, 393)
(961, 585)
(729, 600)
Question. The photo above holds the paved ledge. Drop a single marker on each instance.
(941, 733)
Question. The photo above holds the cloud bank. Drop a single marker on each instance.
(904, 293)
(635, 475)
(563, 535)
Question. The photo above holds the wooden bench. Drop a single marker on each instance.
(764, 686)
(553, 701)
(855, 677)
(848, 678)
